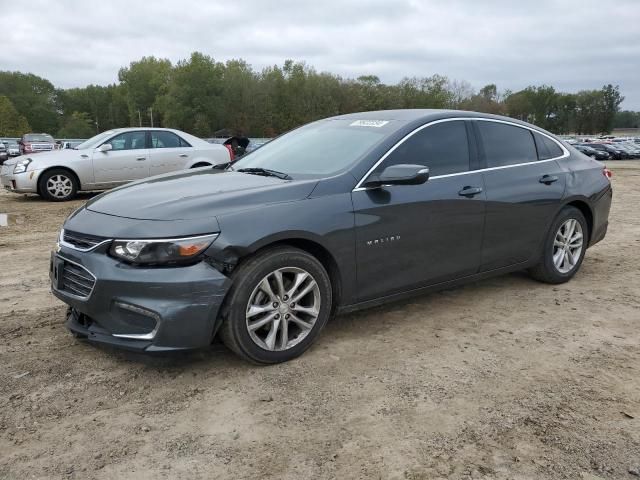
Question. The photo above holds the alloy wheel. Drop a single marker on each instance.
(283, 308)
(567, 245)
(59, 186)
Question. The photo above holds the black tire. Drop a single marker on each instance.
(63, 174)
(546, 270)
(234, 330)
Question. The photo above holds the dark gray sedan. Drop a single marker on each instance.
(340, 214)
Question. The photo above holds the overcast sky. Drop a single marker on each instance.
(570, 44)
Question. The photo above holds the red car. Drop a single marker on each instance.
(36, 142)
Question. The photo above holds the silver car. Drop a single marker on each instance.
(107, 160)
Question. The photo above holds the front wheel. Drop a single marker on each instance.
(279, 302)
(58, 185)
(564, 248)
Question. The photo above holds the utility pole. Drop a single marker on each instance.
(151, 112)
(139, 118)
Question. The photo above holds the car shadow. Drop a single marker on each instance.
(376, 318)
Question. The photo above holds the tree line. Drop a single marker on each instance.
(206, 97)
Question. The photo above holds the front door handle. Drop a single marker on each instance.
(141, 158)
(548, 179)
(183, 155)
(470, 191)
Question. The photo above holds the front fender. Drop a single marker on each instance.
(327, 221)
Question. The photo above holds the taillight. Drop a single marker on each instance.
(607, 173)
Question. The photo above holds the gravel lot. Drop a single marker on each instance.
(505, 378)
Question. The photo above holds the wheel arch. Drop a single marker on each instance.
(314, 248)
(58, 167)
(199, 162)
(583, 205)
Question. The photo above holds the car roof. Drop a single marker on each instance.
(423, 115)
(137, 129)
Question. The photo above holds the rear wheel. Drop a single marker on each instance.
(279, 302)
(564, 248)
(58, 185)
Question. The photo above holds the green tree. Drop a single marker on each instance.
(143, 82)
(34, 97)
(12, 124)
(77, 125)
(194, 92)
(626, 119)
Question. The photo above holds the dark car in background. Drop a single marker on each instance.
(4, 154)
(592, 152)
(337, 215)
(36, 142)
(614, 152)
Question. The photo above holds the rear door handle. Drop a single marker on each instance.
(184, 155)
(141, 158)
(548, 179)
(470, 191)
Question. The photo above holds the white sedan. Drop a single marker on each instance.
(107, 160)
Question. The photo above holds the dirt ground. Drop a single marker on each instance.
(504, 378)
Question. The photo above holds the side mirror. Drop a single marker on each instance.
(400, 175)
(105, 147)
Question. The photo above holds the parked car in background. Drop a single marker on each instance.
(629, 152)
(13, 149)
(337, 215)
(35, 143)
(615, 153)
(4, 154)
(107, 160)
(592, 152)
(632, 147)
(70, 144)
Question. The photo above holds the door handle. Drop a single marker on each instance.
(470, 191)
(184, 155)
(548, 179)
(141, 158)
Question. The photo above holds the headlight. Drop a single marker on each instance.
(21, 165)
(176, 250)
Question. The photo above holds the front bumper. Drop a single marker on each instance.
(144, 309)
(26, 182)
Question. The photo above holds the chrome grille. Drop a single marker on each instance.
(39, 147)
(76, 280)
(81, 241)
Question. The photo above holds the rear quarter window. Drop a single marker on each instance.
(547, 148)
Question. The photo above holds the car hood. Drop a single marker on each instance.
(45, 159)
(195, 194)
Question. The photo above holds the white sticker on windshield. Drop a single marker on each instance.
(369, 123)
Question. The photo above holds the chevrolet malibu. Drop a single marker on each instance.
(337, 215)
(107, 160)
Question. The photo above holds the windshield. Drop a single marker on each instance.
(318, 149)
(35, 137)
(95, 141)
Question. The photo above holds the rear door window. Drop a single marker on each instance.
(506, 144)
(162, 139)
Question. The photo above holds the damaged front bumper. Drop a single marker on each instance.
(139, 308)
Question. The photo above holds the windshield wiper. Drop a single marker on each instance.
(266, 172)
